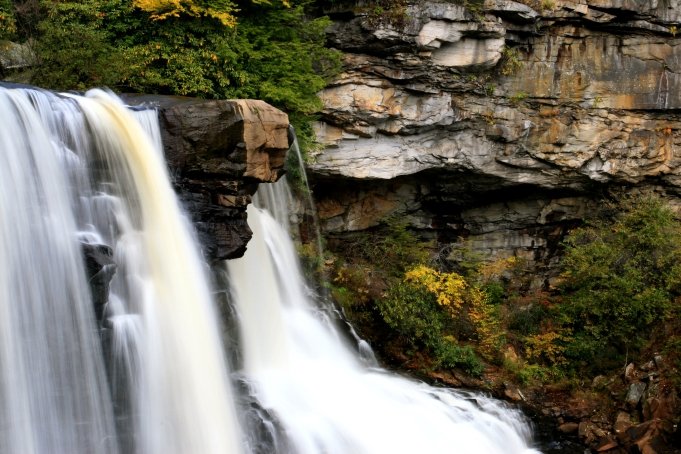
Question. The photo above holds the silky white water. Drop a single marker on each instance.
(318, 396)
(53, 392)
(81, 173)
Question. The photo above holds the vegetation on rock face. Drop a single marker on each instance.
(270, 50)
(451, 318)
(619, 290)
(7, 22)
(621, 278)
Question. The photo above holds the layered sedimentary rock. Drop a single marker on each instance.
(501, 123)
(218, 152)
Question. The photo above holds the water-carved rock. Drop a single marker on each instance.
(218, 152)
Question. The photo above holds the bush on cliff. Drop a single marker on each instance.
(621, 283)
(621, 275)
(272, 50)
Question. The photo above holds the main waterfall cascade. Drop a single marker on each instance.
(109, 338)
(316, 394)
(80, 174)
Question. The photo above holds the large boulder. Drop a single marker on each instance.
(218, 151)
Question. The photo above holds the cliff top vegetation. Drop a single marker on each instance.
(219, 49)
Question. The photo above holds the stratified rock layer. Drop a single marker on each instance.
(502, 123)
(218, 152)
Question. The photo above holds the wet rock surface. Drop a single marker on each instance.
(501, 122)
(218, 152)
(99, 271)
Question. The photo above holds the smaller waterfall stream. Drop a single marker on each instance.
(326, 400)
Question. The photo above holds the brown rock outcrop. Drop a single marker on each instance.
(501, 123)
(218, 152)
(500, 126)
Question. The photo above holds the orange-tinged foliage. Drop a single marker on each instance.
(461, 299)
(494, 270)
(163, 9)
(546, 346)
(448, 288)
(222, 10)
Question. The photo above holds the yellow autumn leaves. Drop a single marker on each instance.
(448, 288)
(460, 298)
(222, 10)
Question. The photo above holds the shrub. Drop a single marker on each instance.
(413, 312)
(75, 49)
(620, 276)
(450, 355)
(463, 300)
(392, 244)
(274, 52)
(510, 62)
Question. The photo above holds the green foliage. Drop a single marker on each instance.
(392, 244)
(180, 47)
(75, 48)
(222, 10)
(476, 7)
(437, 310)
(413, 312)
(510, 62)
(8, 26)
(385, 12)
(518, 97)
(525, 320)
(283, 54)
(620, 277)
(530, 374)
(547, 5)
(450, 355)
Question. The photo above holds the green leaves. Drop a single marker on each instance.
(7, 22)
(620, 278)
(283, 52)
(75, 48)
(275, 52)
(413, 312)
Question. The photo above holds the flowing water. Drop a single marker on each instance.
(109, 341)
(314, 392)
(81, 174)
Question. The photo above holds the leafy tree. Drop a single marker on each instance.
(75, 46)
(415, 313)
(274, 51)
(621, 275)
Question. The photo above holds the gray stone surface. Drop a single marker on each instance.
(491, 116)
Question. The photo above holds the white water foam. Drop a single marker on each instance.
(79, 170)
(312, 384)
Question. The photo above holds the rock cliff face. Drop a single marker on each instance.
(501, 123)
(218, 152)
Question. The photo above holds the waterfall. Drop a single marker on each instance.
(144, 370)
(315, 395)
(109, 339)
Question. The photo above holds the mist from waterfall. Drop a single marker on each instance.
(80, 175)
(313, 392)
